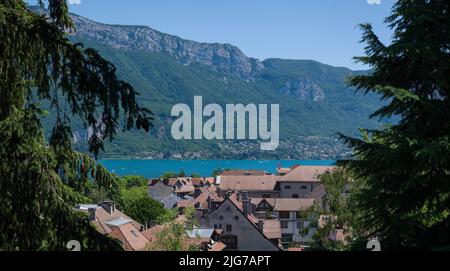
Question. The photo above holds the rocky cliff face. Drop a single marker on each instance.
(220, 57)
(304, 89)
(223, 58)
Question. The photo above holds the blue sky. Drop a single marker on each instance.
(322, 30)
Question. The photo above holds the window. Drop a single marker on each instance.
(264, 206)
(304, 187)
(284, 215)
(295, 196)
(229, 228)
(287, 187)
(284, 224)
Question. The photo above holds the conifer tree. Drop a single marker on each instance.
(405, 168)
(42, 180)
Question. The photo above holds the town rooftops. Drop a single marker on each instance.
(118, 222)
(269, 231)
(287, 204)
(135, 239)
(152, 233)
(248, 183)
(86, 207)
(171, 201)
(272, 229)
(185, 189)
(110, 221)
(202, 199)
(258, 201)
(171, 181)
(102, 218)
(306, 174)
(283, 170)
(243, 172)
(202, 181)
(200, 233)
(217, 246)
(293, 205)
(152, 182)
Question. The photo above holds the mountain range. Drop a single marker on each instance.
(315, 101)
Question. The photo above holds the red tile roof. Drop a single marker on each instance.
(102, 217)
(249, 183)
(202, 199)
(133, 236)
(293, 205)
(243, 173)
(219, 246)
(306, 174)
(272, 229)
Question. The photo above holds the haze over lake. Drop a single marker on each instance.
(204, 168)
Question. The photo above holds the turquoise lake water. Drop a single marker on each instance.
(155, 168)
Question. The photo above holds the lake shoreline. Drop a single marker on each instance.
(154, 168)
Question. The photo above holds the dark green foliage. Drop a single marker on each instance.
(36, 203)
(136, 203)
(173, 235)
(134, 181)
(168, 175)
(336, 210)
(405, 169)
(41, 183)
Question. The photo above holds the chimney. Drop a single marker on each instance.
(209, 201)
(228, 193)
(92, 213)
(246, 203)
(219, 191)
(143, 227)
(109, 206)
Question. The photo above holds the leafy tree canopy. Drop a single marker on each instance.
(136, 203)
